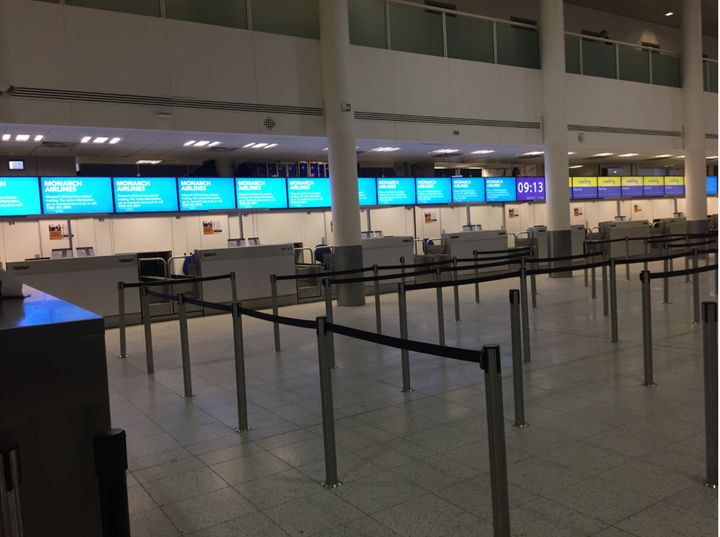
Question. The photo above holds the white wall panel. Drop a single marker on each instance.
(143, 234)
(21, 240)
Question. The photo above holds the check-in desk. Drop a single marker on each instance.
(252, 266)
(387, 251)
(540, 238)
(88, 282)
(464, 244)
(670, 226)
(620, 230)
(54, 396)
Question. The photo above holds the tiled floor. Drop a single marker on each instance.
(603, 455)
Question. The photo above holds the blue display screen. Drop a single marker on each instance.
(499, 189)
(206, 193)
(711, 185)
(632, 187)
(468, 189)
(76, 195)
(261, 192)
(584, 188)
(367, 190)
(433, 190)
(19, 196)
(307, 193)
(396, 191)
(609, 187)
(145, 194)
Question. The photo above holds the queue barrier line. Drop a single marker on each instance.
(492, 258)
(323, 274)
(451, 283)
(674, 273)
(457, 268)
(175, 281)
(563, 258)
(379, 277)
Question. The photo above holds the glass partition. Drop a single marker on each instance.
(298, 18)
(517, 45)
(415, 29)
(572, 54)
(232, 13)
(666, 70)
(634, 64)
(137, 7)
(367, 23)
(469, 38)
(598, 58)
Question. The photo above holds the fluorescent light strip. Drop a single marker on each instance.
(483, 152)
(201, 143)
(571, 152)
(628, 155)
(603, 154)
(38, 137)
(576, 166)
(214, 144)
(115, 140)
(6, 137)
(259, 145)
(189, 142)
(663, 156)
(446, 151)
(532, 154)
(22, 137)
(100, 140)
(148, 162)
(712, 157)
(270, 146)
(85, 139)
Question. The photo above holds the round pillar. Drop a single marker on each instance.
(693, 119)
(340, 132)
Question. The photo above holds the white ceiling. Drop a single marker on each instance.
(167, 146)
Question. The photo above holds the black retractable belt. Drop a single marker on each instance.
(111, 468)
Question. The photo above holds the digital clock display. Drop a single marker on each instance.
(530, 188)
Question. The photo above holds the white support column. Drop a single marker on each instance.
(340, 131)
(693, 119)
(554, 120)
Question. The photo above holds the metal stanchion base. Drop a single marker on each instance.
(651, 385)
(710, 485)
(335, 485)
(122, 356)
(240, 431)
(521, 425)
(407, 391)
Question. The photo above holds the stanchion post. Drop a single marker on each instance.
(376, 290)
(233, 287)
(440, 310)
(239, 367)
(326, 400)
(456, 290)
(496, 440)
(477, 275)
(147, 324)
(687, 267)
(696, 288)
(525, 312)
(327, 287)
(710, 362)
(593, 283)
(533, 289)
(516, 333)
(647, 329)
(645, 243)
(627, 257)
(276, 325)
(405, 358)
(121, 319)
(666, 283)
(184, 346)
(586, 270)
(604, 272)
(402, 268)
(613, 302)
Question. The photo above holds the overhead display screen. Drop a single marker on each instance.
(261, 192)
(309, 193)
(653, 186)
(609, 187)
(632, 187)
(433, 190)
(674, 185)
(145, 194)
(367, 190)
(584, 188)
(76, 195)
(396, 191)
(206, 193)
(19, 196)
(530, 188)
(711, 185)
(468, 189)
(499, 189)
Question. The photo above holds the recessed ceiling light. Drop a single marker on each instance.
(680, 156)
(100, 140)
(628, 155)
(325, 148)
(269, 146)
(6, 137)
(712, 157)
(603, 154)
(482, 152)
(38, 137)
(385, 149)
(532, 154)
(571, 152)
(189, 142)
(259, 145)
(445, 151)
(663, 156)
(576, 166)
(214, 144)
(148, 161)
(201, 143)
(669, 13)
(251, 144)
(115, 140)
(85, 139)
(22, 137)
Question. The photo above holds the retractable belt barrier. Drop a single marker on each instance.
(175, 281)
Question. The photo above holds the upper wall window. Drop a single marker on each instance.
(138, 7)
(299, 18)
(231, 13)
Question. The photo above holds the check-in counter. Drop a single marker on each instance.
(252, 266)
(670, 226)
(387, 251)
(620, 230)
(464, 244)
(88, 282)
(540, 238)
